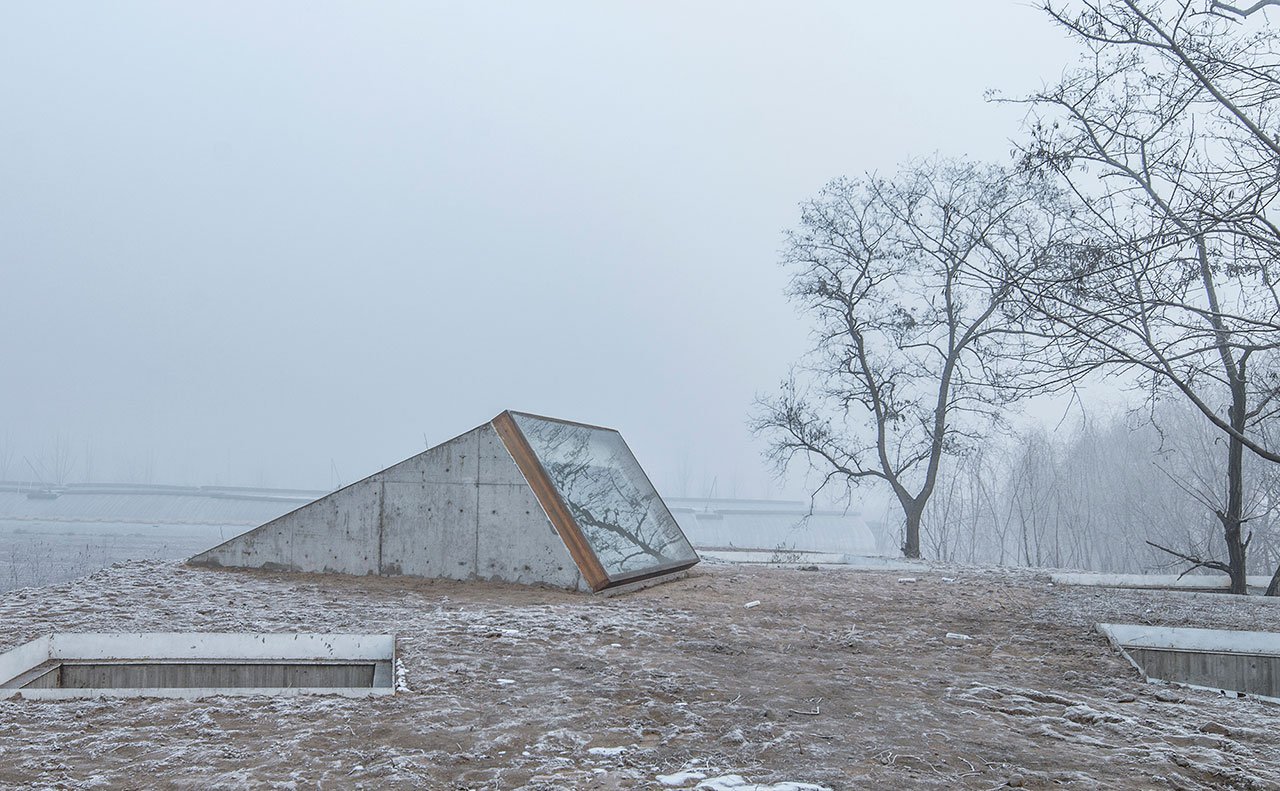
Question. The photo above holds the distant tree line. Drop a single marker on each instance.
(1098, 495)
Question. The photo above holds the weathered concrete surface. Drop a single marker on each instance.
(461, 510)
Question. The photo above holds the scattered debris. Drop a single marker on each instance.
(906, 579)
(958, 636)
(751, 604)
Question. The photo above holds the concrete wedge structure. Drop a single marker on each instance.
(522, 498)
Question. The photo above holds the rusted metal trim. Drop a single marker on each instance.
(520, 449)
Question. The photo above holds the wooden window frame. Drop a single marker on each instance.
(593, 571)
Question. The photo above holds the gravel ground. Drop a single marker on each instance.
(840, 678)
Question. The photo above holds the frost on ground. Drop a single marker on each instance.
(839, 679)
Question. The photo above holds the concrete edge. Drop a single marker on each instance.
(220, 645)
(1107, 631)
(1191, 638)
(180, 693)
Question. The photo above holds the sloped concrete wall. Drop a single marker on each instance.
(461, 510)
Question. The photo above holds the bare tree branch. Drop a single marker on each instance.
(1244, 12)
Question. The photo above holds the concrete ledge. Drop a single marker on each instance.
(1188, 639)
(218, 645)
(191, 693)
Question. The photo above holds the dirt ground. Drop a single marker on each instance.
(839, 677)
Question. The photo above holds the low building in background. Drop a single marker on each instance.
(779, 531)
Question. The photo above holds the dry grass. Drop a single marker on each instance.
(839, 677)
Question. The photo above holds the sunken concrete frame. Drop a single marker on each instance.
(195, 665)
(483, 506)
(1220, 660)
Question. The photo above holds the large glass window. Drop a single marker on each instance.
(609, 497)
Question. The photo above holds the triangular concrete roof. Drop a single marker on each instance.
(522, 498)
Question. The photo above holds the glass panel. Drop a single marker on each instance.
(616, 508)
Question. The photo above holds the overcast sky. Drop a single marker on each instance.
(289, 243)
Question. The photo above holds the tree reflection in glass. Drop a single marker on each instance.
(616, 507)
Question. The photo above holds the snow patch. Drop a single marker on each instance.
(679, 779)
(738, 783)
(402, 676)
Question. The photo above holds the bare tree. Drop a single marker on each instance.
(909, 282)
(1161, 131)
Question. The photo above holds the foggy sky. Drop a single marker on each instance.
(291, 243)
